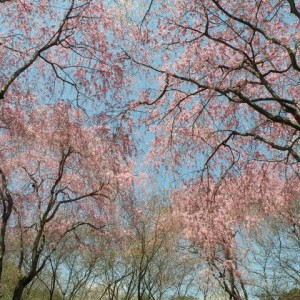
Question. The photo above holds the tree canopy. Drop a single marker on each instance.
(101, 101)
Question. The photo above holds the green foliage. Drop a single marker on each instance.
(293, 294)
(38, 294)
(184, 298)
(9, 279)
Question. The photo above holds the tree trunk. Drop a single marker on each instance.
(18, 292)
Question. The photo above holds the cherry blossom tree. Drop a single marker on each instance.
(57, 176)
(226, 93)
(69, 45)
(224, 219)
(219, 90)
(223, 104)
(227, 77)
(61, 166)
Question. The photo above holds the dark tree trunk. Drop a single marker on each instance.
(19, 289)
